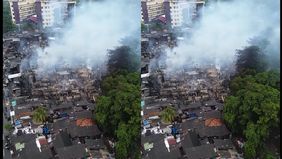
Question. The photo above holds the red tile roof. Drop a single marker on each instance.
(213, 122)
(84, 122)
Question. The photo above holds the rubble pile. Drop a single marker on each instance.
(195, 94)
(67, 85)
(67, 96)
(194, 85)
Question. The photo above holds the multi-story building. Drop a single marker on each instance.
(54, 12)
(47, 12)
(151, 9)
(182, 12)
(177, 12)
(21, 9)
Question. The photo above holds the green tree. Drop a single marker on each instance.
(123, 58)
(7, 18)
(28, 26)
(8, 127)
(143, 27)
(168, 114)
(269, 78)
(127, 133)
(253, 110)
(39, 115)
(157, 26)
(250, 60)
(269, 155)
(118, 112)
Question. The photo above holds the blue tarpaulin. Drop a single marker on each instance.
(14, 103)
(174, 130)
(191, 115)
(146, 122)
(142, 103)
(17, 122)
(45, 130)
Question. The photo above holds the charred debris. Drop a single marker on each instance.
(68, 96)
(196, 94)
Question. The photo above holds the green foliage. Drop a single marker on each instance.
(168, 114)
(156, 26)
(126, 134)
(143, 27)
(250, 60)
(118, 112)
(123, 58)
(7, 18)
(8, 127)
(39, 115)
(269, 155)
(253, 109)
(28, 26)
(270, 78)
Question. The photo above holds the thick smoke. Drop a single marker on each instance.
(95, 28)
(224, 28)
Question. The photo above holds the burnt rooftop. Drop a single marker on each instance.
(62, 140)
(217, 131)
(67, 94)
(159, 149)
(223, 144)
(32, 151)
(203, 151)
(72, 152)
(83, 131)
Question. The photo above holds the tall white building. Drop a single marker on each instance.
(21, 9)
(183, 12)
(54, 12)
(46, 12)
(151, 9)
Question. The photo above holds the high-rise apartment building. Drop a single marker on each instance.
(21, 9)
(47, 12)
(182, 12)
(177, 12)
(54, 12)
(151, 9)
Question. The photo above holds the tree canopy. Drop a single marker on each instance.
(168, 114)
(253, 109)
(250, 60)
(143, 27)
(7, 18)
(123, 58)
(118, 109)
(39, 115)
(8, 127)
(118, 112)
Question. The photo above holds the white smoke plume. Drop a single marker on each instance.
(224, 28)
(96, 27)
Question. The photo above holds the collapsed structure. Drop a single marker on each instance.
(195, 93)
(67, 95)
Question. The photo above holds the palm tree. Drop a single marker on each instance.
(168, 114)
(8, 127)
(39, 115)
